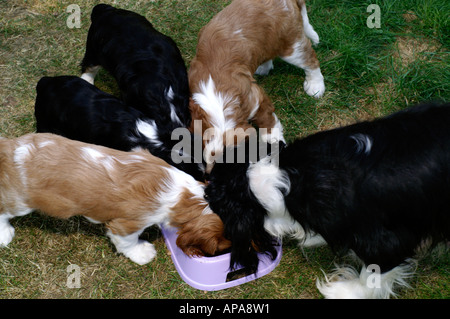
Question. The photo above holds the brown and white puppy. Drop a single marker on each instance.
(128, 191)
(238, 42)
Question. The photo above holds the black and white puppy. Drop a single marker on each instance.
(379, 189)
(71, 107)
(147, 65)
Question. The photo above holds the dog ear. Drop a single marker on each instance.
(200, 231)
(245, 228)
(203, 236)
(229, 196)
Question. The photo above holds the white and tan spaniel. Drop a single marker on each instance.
(238, 42)
(128, 191)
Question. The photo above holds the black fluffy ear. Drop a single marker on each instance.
(229, 195)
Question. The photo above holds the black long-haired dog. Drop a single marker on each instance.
(147, 65)
(380, 189)
(72, 107)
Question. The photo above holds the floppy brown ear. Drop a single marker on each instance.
(200, 231)
(203, 236)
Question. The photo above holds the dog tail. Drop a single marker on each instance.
(99, 10)
(307, 27)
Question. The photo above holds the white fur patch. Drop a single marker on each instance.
(308, 28)
(270, 184)
(92, 220)
(149, 130)
(254, 110)
(45, 143)
(94, 156)
(276, 133)
(213, 103)
(6, 230)
(131, 159)
(221, 119)
(186, 181)
(297, 56)
(174, 185)
(215, 144)
(170, 93)
(347, 283)
(312, 240)
(139, 251)
(264, 68)
(363, 143)
(21, 153)
(90, 74)
(314, 85)
(91, 154)
(173, 114)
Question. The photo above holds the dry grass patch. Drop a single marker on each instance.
(411, 49)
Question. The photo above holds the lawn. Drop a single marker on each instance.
(368, 72)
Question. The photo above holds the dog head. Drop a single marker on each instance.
(200, 231)
(230, 196)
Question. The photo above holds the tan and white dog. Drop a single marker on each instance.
(128, 191)
(238, 42)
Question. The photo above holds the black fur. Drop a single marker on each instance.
(71, 107)
(145, 63)
(380, 201)
(243, 217)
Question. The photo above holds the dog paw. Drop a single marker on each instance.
(142, 253)
(6, 235)
(313, 36)
(88, 78)
(314, 87)
(264, 68)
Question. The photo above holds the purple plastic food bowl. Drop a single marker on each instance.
(213, 273)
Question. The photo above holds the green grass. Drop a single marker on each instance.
(368, 73)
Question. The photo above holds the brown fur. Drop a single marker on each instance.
(55, 178)
(202, 232)
(231, 59)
